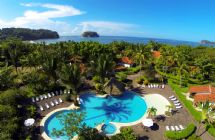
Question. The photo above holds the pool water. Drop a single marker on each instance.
(109, 128)
(126, 108)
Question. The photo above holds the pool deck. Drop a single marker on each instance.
(150, 98)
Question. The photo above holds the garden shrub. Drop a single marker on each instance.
(193, 137)
(211, 131)
(178, 135)
(121, 76)
(96, 79)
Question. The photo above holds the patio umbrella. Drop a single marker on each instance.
(29, 122)
(148, 122)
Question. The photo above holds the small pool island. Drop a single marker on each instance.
(90, 34)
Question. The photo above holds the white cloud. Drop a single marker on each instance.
(107, 27)
(48, 20)
(45, 19)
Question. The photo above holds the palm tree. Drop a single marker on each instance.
(170, 107)
(49, 66)
(206, 114)
(152, 111)
(70, 76)
(103, 66)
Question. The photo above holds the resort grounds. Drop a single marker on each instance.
(156, 132)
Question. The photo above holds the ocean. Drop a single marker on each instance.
(109, 39)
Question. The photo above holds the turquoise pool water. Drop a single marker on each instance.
(108, 128)
(126, 108)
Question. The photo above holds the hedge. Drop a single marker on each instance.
(189, 104)
(178, 135)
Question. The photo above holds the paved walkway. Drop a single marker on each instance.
(181, 116)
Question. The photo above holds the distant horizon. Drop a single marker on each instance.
(179, 20)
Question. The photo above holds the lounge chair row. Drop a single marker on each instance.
(52, 103)
(49, 95)
(153, 86)
(175, 102)
(174, 128)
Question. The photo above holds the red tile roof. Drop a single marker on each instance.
(202, 89)
(204, 98)
(126, 60)
(156, 54)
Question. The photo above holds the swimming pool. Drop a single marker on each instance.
(126, 108)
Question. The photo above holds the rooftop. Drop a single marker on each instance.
(202, 89)
(156, 54)
(204, 98)
(126, 60)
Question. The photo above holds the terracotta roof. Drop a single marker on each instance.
(156, 54)
(202, 89)
(204, 98)
(126, 60)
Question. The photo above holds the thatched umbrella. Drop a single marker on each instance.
(114, 87)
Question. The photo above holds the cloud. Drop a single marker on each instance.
(48, 19)
(45, 19)
(107, 27)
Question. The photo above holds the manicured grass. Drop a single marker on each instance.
(178, 135)
(189, 104)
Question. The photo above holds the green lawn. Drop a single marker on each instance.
(189, 104)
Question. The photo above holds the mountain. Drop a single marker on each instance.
(27, 34)
(90, 34)
(207, 42)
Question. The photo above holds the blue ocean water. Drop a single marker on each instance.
(128, 107)
(108, 39)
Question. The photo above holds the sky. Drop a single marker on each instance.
(189, 20)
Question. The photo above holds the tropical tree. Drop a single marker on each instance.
(6, 77)
(125, 134)
(207, 115)
(103, 66)
(169, 108)
(152, 111)
(70, 77)
(71, 123)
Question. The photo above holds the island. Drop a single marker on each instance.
(207, 42)
(26, 34)
(90, 34)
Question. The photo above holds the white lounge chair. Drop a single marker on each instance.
(56, 102)
(68, 92)
(61, 92)
(163, 86)
(171, 96)
(33, 99)
(37, 99)
(173, 99)
(41, 108)
(172, 128)
(177, 128)
(60, 100)
(175, 102)
(178, 107)
(41, 97)
(167, 128)
(49, 95)
(143, 86)
(52, 93)
(181, 127)
(47, 106)
(149, 86)
(154, 85)
(44, 95)
(65, 91)
(51, 103)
